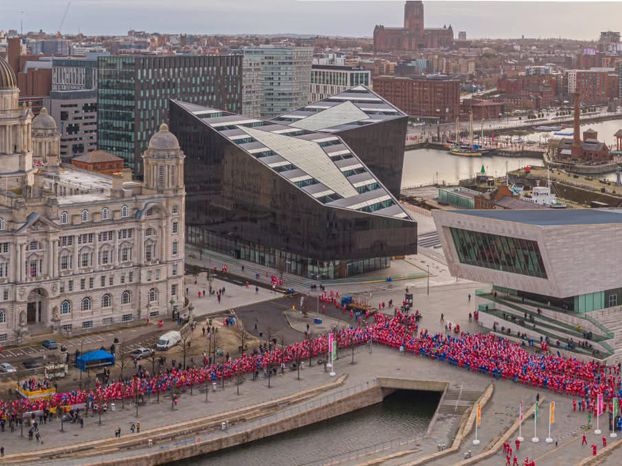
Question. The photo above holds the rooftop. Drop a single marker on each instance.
(320, 164)
(550, 217)
(98, 156)
(355, 107)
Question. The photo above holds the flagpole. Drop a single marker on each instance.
(616, 408)
(520, 422)
(332, 357)
(478, 419)
(549, 439)
(599, 404)
(535, 438)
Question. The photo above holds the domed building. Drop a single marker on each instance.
(81, 249)
(45, 138)
(15, 147)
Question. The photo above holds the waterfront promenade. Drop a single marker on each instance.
(497, 416)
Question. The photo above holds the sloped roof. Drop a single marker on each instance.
(98, 156)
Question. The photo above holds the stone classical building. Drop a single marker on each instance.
(80, 249)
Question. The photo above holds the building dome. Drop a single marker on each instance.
(163, 139)
(44, 121)
(7, 76)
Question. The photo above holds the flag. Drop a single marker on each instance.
(535, 415)
(334, 349)
(479, 414)
(616, 407)
(552, 413)
(599, 404)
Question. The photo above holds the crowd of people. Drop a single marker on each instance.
(488, 354)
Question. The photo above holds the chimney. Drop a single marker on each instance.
(576, 142)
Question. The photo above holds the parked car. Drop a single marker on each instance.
(6, 367)
(141, 353)
(168, 340)
(49, 344)
(33, 363)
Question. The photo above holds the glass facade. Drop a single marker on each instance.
(503, 253)
(283, 261)
(237, 205)
(133, 95)
(285, 77)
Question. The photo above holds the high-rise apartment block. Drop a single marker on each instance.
(285, 77)
(133, 94)
(327, 80)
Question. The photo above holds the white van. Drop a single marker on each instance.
(168, 340)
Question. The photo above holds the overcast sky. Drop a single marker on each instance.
(579, 20)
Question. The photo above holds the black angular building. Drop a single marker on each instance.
(373, 128)
(297, 200)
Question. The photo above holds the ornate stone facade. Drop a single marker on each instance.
(79, 249)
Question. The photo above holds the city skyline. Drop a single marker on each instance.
(479, 19)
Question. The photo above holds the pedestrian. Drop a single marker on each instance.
(38, 437)
(515, 463)
(138, 427)
(256, 290)
(203, 329)
(508, 459)
(517, 443)
(469, 297)
(442, 317)
(2, 451)
(604, 441)
(583, 439)
(594, 449)
(133, 428)
(574, 405)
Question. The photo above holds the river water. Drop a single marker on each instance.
(423, 167)
(402, 415)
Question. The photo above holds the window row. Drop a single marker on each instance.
(85, 215)
(86, 304)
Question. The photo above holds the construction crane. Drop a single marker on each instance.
(62, 21)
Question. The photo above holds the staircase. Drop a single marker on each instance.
(613, 322)
(556, 325)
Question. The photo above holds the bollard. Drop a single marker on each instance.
(150, 443)
(214, 386)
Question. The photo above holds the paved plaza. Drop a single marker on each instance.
(498, 415)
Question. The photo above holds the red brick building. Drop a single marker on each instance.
(99, 161)
(483, 109)
(431, 97)
(34, 82)
(413, 36)
(596, 86)
(530, 92)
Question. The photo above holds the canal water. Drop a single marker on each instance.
(402, 415)
(423, 167)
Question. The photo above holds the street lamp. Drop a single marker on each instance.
(428, 287)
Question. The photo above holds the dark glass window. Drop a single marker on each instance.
(497, 252)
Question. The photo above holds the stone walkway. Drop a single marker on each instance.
(498, 415)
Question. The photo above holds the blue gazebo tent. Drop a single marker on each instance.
(93, 359)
